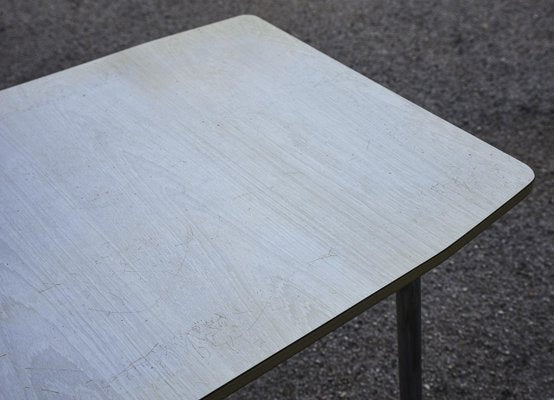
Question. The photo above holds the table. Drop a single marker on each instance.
(179, 217)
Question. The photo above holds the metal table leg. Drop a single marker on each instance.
(408, 320)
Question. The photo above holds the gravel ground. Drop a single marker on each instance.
(485, 66)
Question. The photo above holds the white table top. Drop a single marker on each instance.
(181, 216)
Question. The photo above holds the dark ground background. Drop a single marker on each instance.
(488, 67)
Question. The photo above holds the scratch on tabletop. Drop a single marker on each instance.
(331, 253)
(49, 287)
(132, 364)
(49, 390)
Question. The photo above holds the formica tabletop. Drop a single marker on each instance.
(179, 217)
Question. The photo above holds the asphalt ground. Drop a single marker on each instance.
(487, 67)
